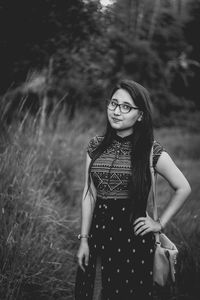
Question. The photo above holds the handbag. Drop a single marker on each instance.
(165, 253)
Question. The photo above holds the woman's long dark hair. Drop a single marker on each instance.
(141, 141)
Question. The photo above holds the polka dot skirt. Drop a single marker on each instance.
(126, 259)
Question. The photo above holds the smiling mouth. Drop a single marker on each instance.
(116, 120)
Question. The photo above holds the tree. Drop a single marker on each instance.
(33, 30)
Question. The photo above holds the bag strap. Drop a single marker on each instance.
(152, 192)
(153, 187)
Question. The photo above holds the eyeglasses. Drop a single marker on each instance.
(124, 108)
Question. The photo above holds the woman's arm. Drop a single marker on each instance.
(87, 208)
(88, 201)
(168, 169)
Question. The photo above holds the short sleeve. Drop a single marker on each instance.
(157, 150)
(93, 144)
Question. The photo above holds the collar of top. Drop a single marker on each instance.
(123, 139)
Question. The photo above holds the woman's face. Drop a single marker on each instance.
(123, 122)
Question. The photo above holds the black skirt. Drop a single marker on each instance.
(126, 260)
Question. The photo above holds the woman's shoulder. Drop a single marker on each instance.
(94, 143)
(157, 147)
(157, 151)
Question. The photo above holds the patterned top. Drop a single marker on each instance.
(111, 171)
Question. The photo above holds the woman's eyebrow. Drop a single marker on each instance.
(123, 102)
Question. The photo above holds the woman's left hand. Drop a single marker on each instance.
(144, 225)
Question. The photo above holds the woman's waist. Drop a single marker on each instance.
(108, 208)
(121, 196)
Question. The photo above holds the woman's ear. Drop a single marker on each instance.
(140, 116)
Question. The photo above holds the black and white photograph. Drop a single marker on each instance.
(99, 150)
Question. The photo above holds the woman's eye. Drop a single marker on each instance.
(125, 106)
(113, 103)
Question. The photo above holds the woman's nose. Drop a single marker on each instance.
(117, 111)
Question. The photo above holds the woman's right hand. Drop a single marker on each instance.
(83, 254)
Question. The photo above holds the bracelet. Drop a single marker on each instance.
(161, 225)
(82, 236)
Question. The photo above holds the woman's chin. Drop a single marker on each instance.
(116, 126)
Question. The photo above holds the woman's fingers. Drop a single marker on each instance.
(146, 231)
(141, 219)
(138, 226)
(139, 223)
(86, 259)
(80, 262)
(145, 225)
(83, 260)
(140, 229)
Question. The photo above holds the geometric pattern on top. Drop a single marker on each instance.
(115, 181)
(112, 182)
(111, 171)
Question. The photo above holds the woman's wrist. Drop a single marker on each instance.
(161, 224)
(83, 236)
(84, 241)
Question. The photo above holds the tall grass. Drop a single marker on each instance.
(36, 225)
(41, 187)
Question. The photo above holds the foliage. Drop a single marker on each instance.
(81, 50)
(191, 29)
(32, 31)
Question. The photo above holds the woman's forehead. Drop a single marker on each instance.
(122, 95)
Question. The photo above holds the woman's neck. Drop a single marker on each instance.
(124, 133)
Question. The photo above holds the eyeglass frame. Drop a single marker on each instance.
(119, 105)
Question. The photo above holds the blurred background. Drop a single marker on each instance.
(58, 62)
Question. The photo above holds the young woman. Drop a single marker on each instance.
(116, 250)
